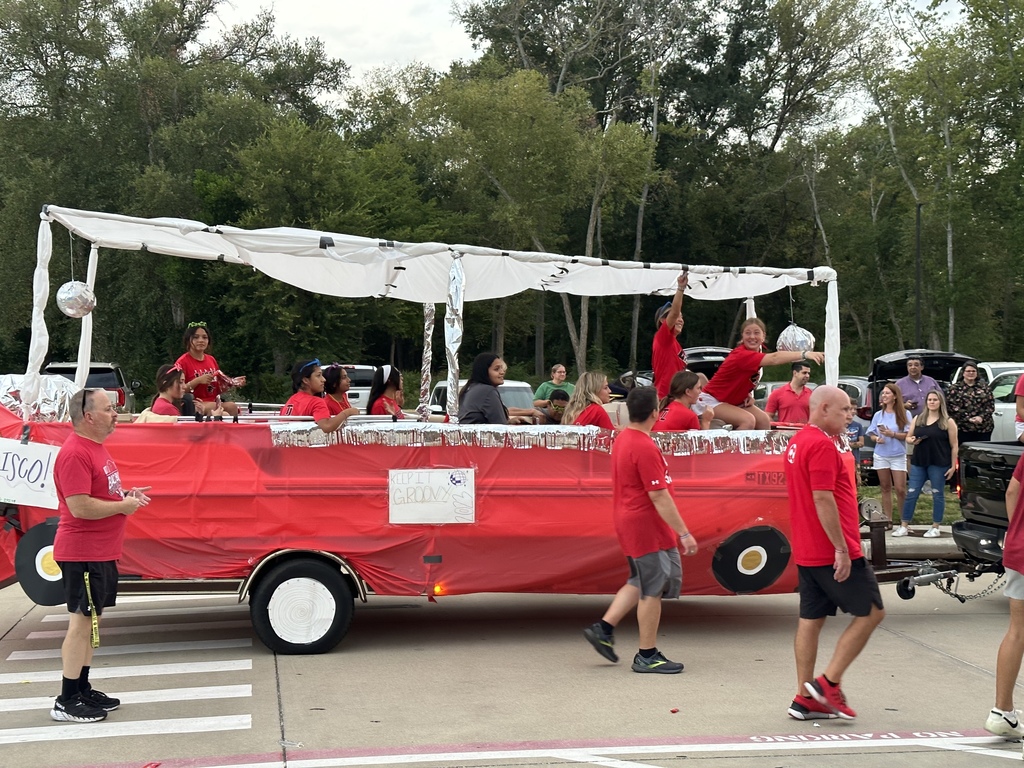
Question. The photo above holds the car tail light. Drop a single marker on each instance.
(864, 412)
(117, 397)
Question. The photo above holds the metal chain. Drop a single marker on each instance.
(984, 593)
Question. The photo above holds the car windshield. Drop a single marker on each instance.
(516, 397)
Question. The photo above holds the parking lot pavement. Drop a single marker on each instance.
(502, 680)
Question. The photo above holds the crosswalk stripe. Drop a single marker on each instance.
(141, 629)
(117, 650)
(110, 614)
(142, 670)
(107, 729)
(141, 697)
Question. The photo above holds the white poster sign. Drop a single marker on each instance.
(431, 496)
(26, 470)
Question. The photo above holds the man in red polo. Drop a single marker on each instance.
(791, 403)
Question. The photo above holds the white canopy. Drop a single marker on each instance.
(334, 264)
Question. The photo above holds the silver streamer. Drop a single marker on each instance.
(423, 409)
(55, 393)
(453, 331)
(436, 435)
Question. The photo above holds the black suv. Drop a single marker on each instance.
(106, 376)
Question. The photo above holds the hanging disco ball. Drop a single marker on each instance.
(76, 299)
(795, 339)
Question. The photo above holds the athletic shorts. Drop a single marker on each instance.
(707, 400)
(821, 594)
(895, 463)
(657, 574)
(102, 585)
(1014, 584)
(1018, 428)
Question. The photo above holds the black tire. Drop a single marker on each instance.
(905, 589)
(751, 560)
(38, 573)
(301, 606)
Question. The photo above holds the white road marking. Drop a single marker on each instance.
(116, 613)
(106, 729)
(141, 629)
(142, 670)
(603, 756)
(118, 650)
(141, 697)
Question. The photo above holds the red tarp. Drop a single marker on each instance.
(224, 497)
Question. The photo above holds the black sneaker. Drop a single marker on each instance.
(657, 663)
(603, 643)
(76, 710)
(100, 700)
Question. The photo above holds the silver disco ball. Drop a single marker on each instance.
(795, 339)
(76, 299)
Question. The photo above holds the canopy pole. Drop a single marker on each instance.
(832, 333)
(453, 332)
(751, 309)
(428, 353)
(40, 340)
(85, 340)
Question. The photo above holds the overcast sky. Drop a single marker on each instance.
(367, 33)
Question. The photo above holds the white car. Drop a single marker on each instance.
(1006, 406)
(514, 394)
(992, 370)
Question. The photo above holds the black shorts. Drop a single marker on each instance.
(821, 594)
(102, 585)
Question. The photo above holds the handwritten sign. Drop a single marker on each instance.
(431, 496)
(26, 473)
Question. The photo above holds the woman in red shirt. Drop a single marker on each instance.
(170, 384)
(386, 396)
(308, 400)
(676, 413)
(336, 385)
(586, 404)
(203, 377)
(729, 391)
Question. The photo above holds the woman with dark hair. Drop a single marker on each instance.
(203, 377)
(386, 396)
(336, 385)
(889, 427)
(479, 401)
(170, 385)
(676, 409)
(730, 390)
(971, 404)
(308, 400)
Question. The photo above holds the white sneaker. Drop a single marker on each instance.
(932, 533)
(901, 531)
(1005, 724)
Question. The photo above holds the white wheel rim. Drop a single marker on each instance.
(301, 610)
(46, 566)
(751, 560)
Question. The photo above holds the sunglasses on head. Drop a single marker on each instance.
(85, 399)
(311, 364)
(197, 325)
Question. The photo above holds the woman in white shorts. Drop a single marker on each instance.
(888, 429)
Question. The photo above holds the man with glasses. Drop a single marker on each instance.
(87, 546)
(542, 398)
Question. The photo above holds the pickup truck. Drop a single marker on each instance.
(985, 471)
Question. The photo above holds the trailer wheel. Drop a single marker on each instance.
(905, 589)
(38, 573)
(301, 606)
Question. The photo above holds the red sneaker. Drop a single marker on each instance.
(823, 692)
(806, 708)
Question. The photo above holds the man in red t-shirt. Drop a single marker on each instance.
(87, 546)
(650, 530)
(791, 403)
(667, 357)
(825, 532)
(1002, 720)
